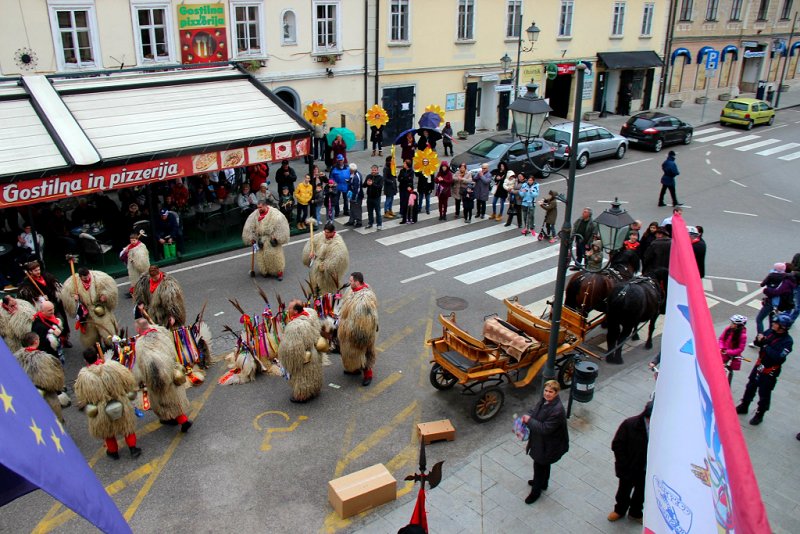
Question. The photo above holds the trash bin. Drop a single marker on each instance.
(761, 89)
(585, 376)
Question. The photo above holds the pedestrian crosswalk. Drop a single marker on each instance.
(744, 141)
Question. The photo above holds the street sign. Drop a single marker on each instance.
(712, 60)
(552, 71)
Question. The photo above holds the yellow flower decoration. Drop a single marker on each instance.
(315, 113)
(439, 111)
(426, 161)
(393, 164)
(377, 116)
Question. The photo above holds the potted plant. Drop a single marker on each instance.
(463, 134)
(724, 96)
(701, 100)
(675, 103)
(330, 59)
(784, 88)
(251, 66)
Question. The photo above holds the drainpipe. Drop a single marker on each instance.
(786, 61)
(377, 46)
(662, 88)
(366, 72)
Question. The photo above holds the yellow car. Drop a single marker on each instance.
(747, 112)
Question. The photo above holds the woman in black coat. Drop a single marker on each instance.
(549, 438)
(405, 179)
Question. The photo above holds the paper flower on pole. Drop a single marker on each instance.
(315, 113)
(377, 116)
(393, 164)
(439, 111)
(426, 161)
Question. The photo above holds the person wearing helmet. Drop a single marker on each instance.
(732, 342)
(774, 346)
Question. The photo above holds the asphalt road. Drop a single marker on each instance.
(254, 462)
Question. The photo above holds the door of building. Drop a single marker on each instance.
(625, 93)
(470, 107)
(399, 104)
(558, 91)
(600, 92)
(504, 99)
(648, 88)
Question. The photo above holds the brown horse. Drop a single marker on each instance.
(589, 290)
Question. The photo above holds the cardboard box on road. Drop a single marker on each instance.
(354, 493)
(436, 431)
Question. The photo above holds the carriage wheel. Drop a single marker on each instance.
(566, 373)
(488, 404)
(441, 379)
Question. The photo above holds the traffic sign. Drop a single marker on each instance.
(712, 60)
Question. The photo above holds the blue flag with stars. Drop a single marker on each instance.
(36, 453)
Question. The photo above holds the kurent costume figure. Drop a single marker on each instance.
(268, 228)
(94, 300)
(157, 368)
(298, 352)
(107, 388)
(16, 318)
(162, 297)
(328, 258)
(46, 373)
(358, 328)
(137, 258)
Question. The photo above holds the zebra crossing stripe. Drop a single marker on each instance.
(525, 260)
(454, 241)
(775, 150)
(416, 233)
(737, 140)
(698, 133)
(525, 284)
(483, 252)
(716, 136)
(758, 144)
(790, 157)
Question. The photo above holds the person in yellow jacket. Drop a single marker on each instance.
(303, 194)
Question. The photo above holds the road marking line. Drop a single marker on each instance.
(733, 279)
(716, 136)
(740, 213)
(423, 275)
(525, 260)
(716, 172)
(610, 168)
(419, 232)
(454, 241)
(706, 131)
(741, 286)
(526, 284)
(708, 161)
(796, 220)
(392, 305)
(758, 144)
(777, 198)
(381, 386)
(755, 304)
(708, 285)
(266, 442)
(708, 153)
(483, 252)
(775, 150)
(389, 224)
(790, 157)
(738, 183)
(615, 200)
(738, 140)
(398, 336)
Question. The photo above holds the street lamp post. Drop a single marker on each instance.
(533, 36)
(611, 224)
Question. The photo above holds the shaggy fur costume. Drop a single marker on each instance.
(13, 327)
(299, 356)
(331, 260)
(358, 329)
(98, 327)
(46, 374)
(156, 366)
(165, 302)
(138, 262)
(100, 385)
(269, 259)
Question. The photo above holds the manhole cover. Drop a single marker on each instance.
(451, 303)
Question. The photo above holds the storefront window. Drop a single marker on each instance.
(700, 81)
(676, 78)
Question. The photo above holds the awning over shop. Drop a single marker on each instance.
(63, 136)
(794, 47)
(702, 53)
(630, 60)
(730, 49)
(678, 52)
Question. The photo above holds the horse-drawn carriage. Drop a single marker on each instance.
(512, 350)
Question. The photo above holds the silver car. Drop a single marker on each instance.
(594, 142)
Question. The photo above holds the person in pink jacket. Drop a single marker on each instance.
(732, 342)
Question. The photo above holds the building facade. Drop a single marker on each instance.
(753, 38)
(403, 54)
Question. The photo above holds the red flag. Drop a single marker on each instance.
(420, 517)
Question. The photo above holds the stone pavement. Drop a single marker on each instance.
(485, 493)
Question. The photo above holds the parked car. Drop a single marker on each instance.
(593, 142)
(653, 130)
(747, 112)
(506, 147)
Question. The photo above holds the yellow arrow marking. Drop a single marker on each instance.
(265, 444)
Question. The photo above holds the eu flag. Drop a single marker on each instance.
(36, 453)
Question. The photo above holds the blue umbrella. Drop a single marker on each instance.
(402, 135)
(430, 120)
(347, 134)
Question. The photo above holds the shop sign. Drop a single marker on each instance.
(565, 68)
(26, 192)
(588, 82)
(202, 33)
(552, 71)
(749, 44)
(752, 53)
(530, 73)
(505, 88)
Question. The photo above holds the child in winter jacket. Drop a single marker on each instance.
(468, 200)
(317, 201)
(411, 209)
(732, 342)
(550, 205)
(286, 203)
(303, 194)
(331, 200)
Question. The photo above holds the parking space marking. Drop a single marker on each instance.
(266, 444)
(777, 198)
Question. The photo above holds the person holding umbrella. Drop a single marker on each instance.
(339, 148)
(341, 140)
(407, 145)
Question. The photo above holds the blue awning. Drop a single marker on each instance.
(730, 49)
(702, 52)
(681, 52)
(794, 47)
(780, 46)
